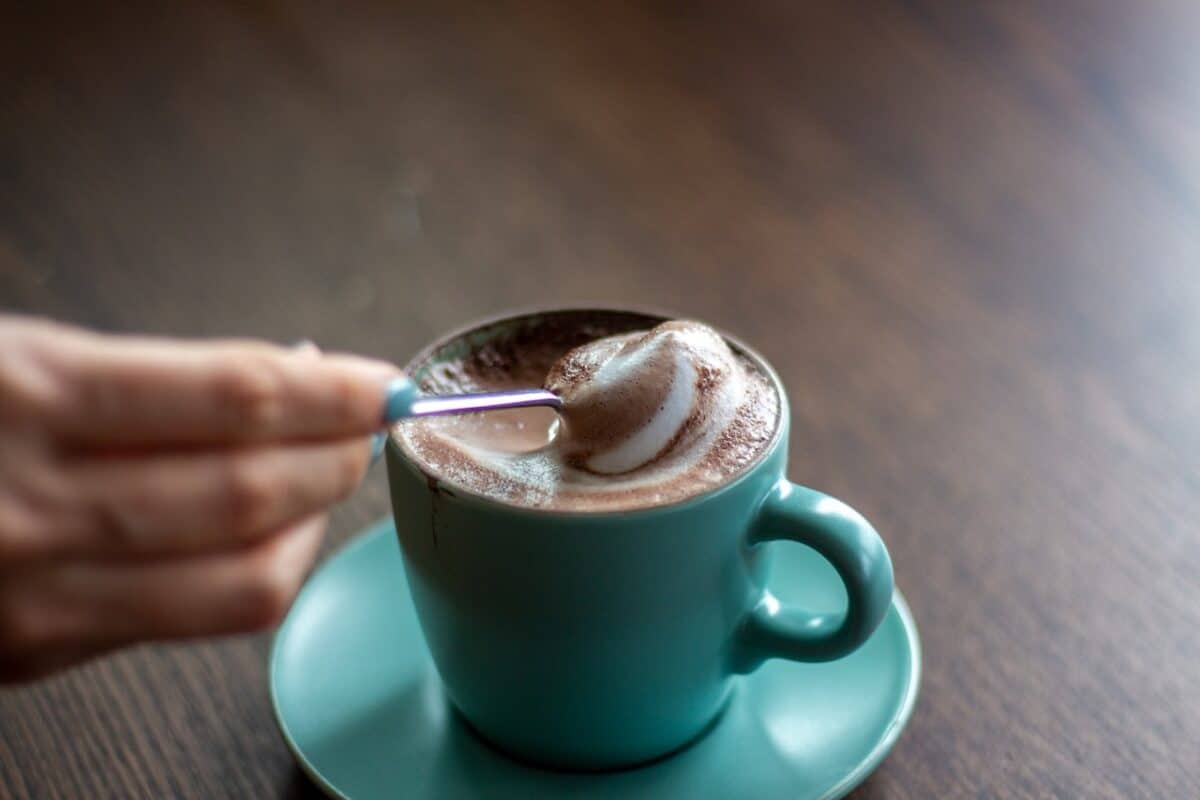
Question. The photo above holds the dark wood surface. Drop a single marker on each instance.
(967, 234)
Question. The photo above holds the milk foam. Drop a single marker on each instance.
(650, 417)
(631, 400)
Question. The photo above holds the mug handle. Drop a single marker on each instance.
(847, 541)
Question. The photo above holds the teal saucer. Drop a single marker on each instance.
(360, 706)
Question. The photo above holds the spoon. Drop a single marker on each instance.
(404, 400)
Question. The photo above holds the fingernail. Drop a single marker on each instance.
(398, 399)
(306, 346)
(378, 442)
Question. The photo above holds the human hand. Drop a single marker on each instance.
(160, 489)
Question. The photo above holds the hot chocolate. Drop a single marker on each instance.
(653, 414)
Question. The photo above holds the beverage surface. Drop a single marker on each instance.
(650, 416)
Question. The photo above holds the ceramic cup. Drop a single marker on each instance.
(595, 640)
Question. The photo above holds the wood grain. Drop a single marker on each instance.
(968, 235)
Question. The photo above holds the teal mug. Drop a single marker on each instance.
(596, 640)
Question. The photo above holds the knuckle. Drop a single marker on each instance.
(20, 531)
(251, 493)
(30, 384)
(251, 391)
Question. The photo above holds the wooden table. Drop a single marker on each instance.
(967, 234)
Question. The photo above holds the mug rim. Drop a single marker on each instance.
(661, 314)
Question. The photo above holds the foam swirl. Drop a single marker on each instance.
(633, 400)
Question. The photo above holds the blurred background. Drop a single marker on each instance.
(967, 234)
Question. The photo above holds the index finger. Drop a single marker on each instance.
(137, 391)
